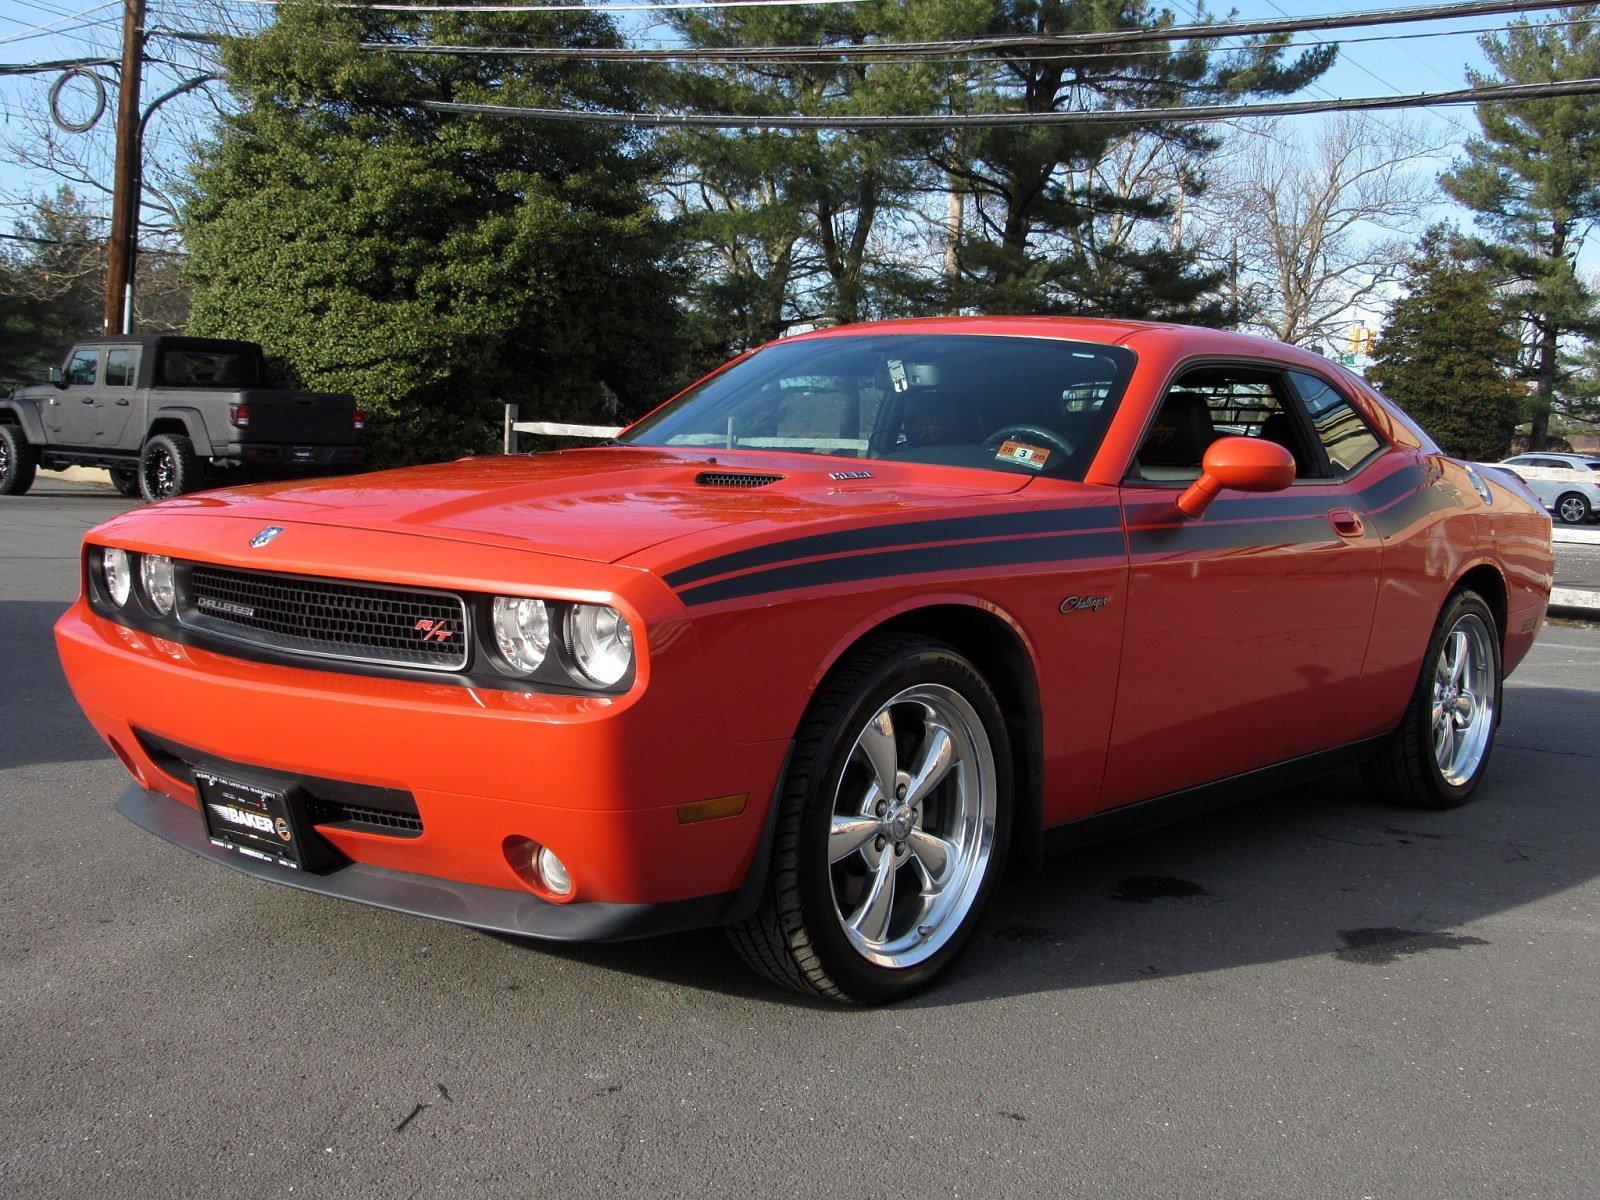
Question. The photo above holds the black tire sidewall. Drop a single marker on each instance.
(1450, 795)
(185, 466)
(126, 481)
(864, 981)
(23, 462)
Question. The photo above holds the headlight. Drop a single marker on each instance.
(156, 571)
(118, 575)
(522, 632)
(600, 642)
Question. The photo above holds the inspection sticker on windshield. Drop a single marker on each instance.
(1023, 454)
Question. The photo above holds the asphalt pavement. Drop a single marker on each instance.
(1309, 995)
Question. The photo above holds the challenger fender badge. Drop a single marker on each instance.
(1074, 604)
(265, 536)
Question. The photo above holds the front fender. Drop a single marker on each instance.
(26, 411)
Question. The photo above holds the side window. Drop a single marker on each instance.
(119, 368)
(1211, 402)
(1346, 436)
(80, 370)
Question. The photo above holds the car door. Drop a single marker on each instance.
(1247, 626)
(78, 397)
(114, 396)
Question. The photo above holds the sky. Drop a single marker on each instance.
(1386, 62)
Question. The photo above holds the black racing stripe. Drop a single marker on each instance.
(1392, 486)
(1413, 508)
(876, 537)
(919, 561)
(1223, 535)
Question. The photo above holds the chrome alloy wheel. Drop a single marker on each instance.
(1463, 700)
(913, 825)
(1572, 510)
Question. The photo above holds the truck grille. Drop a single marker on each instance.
(324, 618)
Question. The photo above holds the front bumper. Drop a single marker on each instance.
(603, 781)
(442, 899)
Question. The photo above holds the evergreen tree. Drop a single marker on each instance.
(1446, 352)
(1532, 181)
(435, 265)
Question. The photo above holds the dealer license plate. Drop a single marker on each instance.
(248, 819)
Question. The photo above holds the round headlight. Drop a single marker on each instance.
(156, 570)
(600, 642)
(522, 632)
(118, 575)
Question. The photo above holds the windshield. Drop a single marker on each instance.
(1019, 404)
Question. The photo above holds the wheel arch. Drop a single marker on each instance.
(25, 415)
(1485, 579)
(997, 646)
(185, 422)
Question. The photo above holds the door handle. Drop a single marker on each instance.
(1345, 523)
(88, 399)
(122, 404)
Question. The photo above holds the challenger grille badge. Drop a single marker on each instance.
(265, 536)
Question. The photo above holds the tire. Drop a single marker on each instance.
(1571, 508)
(1411, 769)
(168, 467)
(816, 883)
(126, 481)
(19, 461)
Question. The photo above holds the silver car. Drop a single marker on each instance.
(1567, 484)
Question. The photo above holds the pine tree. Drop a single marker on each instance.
(1532, 181)
(435, 265)
(1445, 354)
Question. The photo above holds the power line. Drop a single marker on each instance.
(1206, 31)
(1193, 113)
(60, 64)
(607, 7)
(48, 26)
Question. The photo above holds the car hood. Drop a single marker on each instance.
(606, 503)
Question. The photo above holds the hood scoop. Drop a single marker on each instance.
(735, 479)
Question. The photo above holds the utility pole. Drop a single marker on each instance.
(125, 184)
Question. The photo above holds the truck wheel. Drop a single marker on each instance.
(891, 827)
(19, 462)
(126, 481)
(168, 467)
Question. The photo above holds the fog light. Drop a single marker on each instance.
(553, 872)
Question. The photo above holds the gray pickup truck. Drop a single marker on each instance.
(164, 414)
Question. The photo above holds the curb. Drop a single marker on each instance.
(82, 475)
(1568, 533)
(1585, 601)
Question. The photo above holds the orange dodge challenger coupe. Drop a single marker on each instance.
(818, 647)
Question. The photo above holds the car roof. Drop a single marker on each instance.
(1190, 339)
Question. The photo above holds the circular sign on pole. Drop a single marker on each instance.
(97, 110)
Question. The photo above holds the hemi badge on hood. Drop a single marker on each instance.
(265, 536)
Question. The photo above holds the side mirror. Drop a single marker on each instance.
(1243, 464)
(55, 376)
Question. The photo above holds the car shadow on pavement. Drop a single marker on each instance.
(39, 723)
(1320, 870)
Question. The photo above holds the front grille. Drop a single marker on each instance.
(325, 618)
(734, 479)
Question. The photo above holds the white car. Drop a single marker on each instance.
(1567, 484)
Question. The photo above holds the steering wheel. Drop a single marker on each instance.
(1033, 433)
